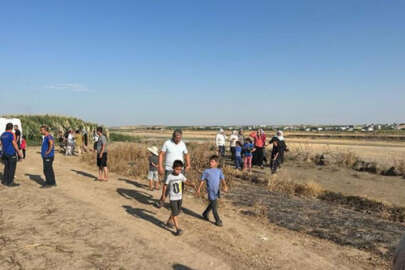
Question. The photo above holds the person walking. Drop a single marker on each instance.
(10, 152)
(48, 154)
(259, 141)
(282, 146)
(172, 150)
(102, 155)
(232, 141)
(220, 141)
(78, 142)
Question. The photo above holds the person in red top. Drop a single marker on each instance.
(23, 146)
(259, 139)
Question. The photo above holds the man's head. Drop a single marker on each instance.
(177, 167)
(214, 161)
(9, 126)
(44, 129)
(99, 131)
(15, 127)
(177, 136)
(221, 131)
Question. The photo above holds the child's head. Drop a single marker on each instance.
(214, 161)
(238, 143)
(249, 140)
(275, 141)
(177, 167)
(23, 137)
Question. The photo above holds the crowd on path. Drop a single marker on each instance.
(171, 163)
(250, 151)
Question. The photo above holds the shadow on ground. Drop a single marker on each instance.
(85, 174)
(36, 178)
(146, 215)
(132, 182)
(178, 266)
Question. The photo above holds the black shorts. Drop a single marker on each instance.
(175, 206)
(102, 162)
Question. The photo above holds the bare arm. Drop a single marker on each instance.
(188, 164)
(16, 148)
(50, 145)
(161, 156)
(199, 188)
(224, 186)
(164, 192)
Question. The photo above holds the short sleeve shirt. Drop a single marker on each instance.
(102, 140)
(173, 152)
(212, 177)
(45, 147)
(174, 183)
(7, 139)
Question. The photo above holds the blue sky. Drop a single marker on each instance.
(205, 62)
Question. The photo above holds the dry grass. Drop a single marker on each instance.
(283, 184)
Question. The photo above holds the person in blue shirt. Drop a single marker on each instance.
(248, 148)
(213, 178)
(9, 155)
(238, 155)
(48, 154)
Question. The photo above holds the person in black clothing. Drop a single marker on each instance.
(283, 146)
(275, 154)
(17, 134)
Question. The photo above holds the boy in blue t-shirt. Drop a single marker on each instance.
(248, 148)
(9, 155)
(213, 177)
(238, 155)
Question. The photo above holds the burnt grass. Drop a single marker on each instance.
(351, 221)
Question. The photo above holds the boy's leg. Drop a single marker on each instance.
(214, 204)
(207, 211)
(245, 163)
(105, 171)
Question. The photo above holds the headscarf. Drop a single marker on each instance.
(279, 135)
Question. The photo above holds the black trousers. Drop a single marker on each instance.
(48, 171)
(10, 165)
(259, 156)
(232, 153)
(23, 153)
(274, 164)
(213, 205)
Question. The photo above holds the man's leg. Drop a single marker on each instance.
(6, 170)
(105, 171)
(46, 170)
(51, 172)
(13, 167)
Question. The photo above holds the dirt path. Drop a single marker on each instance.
(84, 224)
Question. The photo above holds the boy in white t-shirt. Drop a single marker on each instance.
(174, 183)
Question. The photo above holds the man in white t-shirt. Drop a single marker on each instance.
(220, 140)
(172, 150)
(232, 141)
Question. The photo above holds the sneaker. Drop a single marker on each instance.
(179, 232)
(13, 185)
(219, 223)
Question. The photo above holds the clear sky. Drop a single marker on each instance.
(205, 62)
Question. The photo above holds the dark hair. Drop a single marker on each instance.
(100, 129)
(178, 163)
(78, 131)
(177, 131)
(23, 137)
(9, 126)
(239, 143)
(249, 140)
(214, 157)
(45, 127)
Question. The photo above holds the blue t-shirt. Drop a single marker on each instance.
(247, 149)
(213, 177)
(7, 139)
(45, 146)
(238, 151)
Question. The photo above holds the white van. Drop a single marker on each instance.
(5, 121)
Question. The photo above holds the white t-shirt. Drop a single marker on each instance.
(174, 184)
(220, 139)
(173, 152)
(70, 139)
(233, 139)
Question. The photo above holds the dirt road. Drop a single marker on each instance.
(86, 224)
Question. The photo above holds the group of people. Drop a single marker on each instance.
(73, 141)
(246, 152)
(13, 149)
(173, 163)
